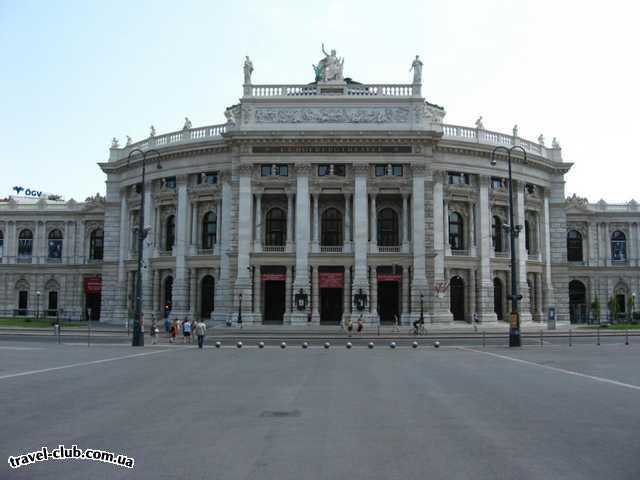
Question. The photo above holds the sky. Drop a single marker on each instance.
(78, 73)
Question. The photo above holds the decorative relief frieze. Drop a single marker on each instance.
(375, 115)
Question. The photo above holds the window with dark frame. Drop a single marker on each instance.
(456, 233)
(209, 230)
(574, 246)
(25, 244)
(496, 231)
(276, 231)
(170, 233)
(618, 246)
(54, 245)
(96, 244)
(388, 228)
(331, 227)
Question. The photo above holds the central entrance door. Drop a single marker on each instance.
(388, 301)
(273, 282)
(331, 283)
(456, 297)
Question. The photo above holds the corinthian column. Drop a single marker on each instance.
(521, 247)
(179, 294)
(223, 289)
(245, 221)
(441, 312)
(360, 231)
(485, 301)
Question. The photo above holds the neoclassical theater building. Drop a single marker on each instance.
(324, 192)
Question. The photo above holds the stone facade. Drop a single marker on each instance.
(335, 195)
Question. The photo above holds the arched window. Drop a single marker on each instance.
(618, 246)
(55, 245)
(456, 233)
(170, 233)
(276, 233)
(388, 229)
(331, 227)
(96, 244)
(497, 298)
(209, 228)
(527, 236)
(496, 234)
(25, 244)
(574, 246)
(577, 301)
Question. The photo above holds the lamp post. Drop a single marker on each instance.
(240, 311)
(138, 332)
(421, 308)
(514, 230)
(37, 305)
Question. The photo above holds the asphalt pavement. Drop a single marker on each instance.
(555, 412)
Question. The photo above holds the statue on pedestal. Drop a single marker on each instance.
(187, 124)
(152, 131)
(515, 130)
(479, 124)
(329, 68)
(248, 70)
(416, 66)
(114, 143)
(541, 139)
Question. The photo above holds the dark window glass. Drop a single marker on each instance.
(23, 302)
(25, 244)
(574, 246)
(170, 182)
(339, 170)
(96, 244)
(276, 233)
(497, 183)
(331, 227)
(1, 243)
(388, 229)
(618, 246)
(210, 178)
(456, 235)
(209, 228)
(396, 170)
(457, 178)
(323, 170)
(55, 245)
(527, 236)
(265, 170)
(496, 236)
(53, 304)
(531, 189)
(170, 237)
(381, 170)
(282, 170)
(497, 298)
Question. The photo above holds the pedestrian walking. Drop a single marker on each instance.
(155, 331)
(360, 325)
(349, 327)
(476, 320)
(186, 331)
(396, 323)
(200, 329)
(173, 331)
(167, 325)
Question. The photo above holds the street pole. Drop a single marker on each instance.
(138, 332)
(37, 305)
(240, 311)
(421, 308)
(514, 324)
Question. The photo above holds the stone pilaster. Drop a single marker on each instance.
(223, 292)
(301, 280)
(360, 232)
(245, 223)
(347, 223)
(316, 222)
(441, 311)
(486, 313)
(289, 246)
(257, 246)
(521, 247)
(373, 224)
(180, 279)
(405, 223)
(194, 309)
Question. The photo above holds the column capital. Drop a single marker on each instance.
(361, 169)
(419, 169)
(302, 169)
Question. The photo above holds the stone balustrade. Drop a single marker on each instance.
(351, 90)
(481, 136)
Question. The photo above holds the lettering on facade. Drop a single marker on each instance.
(334, 115)
(333, 149)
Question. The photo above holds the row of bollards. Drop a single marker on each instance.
(327, 345)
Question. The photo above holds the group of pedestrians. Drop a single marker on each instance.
(348, 326)
(188, 328)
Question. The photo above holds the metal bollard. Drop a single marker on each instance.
(626, 336)
(598, 336)
(569, 337)
(484, 341)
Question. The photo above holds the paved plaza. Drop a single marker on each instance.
(556, 412)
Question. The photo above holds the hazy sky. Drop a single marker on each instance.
(77, 73)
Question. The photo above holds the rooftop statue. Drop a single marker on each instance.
(152, 131)
(187, 124)
(555, 143)
(416, 66)
(114, 143)
(541, 140)
(329, 68)
(128, 140)
(479, 124)
(515, 130)
(248, 70)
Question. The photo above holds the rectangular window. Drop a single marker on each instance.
(170, 182)
(53, 304)
(339, 170)
(497, 183)
(457, 178)
(396, 170)
(23, 302)
(265, 170)
(209, 178)
(381, 170)
(55, 249)
(282, 170)
(323, 170)
(1, 247)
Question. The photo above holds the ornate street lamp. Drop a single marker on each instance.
(138, 329)
(301, 300)
(360, 299)
(514, 230)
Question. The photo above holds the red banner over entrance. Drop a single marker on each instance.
(281, 277)
(388, 277)
(92, 285)
(331, 279)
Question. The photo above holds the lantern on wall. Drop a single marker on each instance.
(360, 300)
(301, 300)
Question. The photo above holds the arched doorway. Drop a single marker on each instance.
(577, 302)
(497, 298)
(456, 297)
(207, 291)
(168, 295)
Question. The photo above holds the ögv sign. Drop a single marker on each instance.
(28, 192)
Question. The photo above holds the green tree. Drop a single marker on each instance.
(595, 310)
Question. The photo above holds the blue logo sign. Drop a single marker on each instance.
(28, 192)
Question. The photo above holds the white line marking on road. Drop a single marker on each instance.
(556, 369)
(20, 348)
(81, 364)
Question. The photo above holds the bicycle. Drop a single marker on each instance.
(419, 329)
